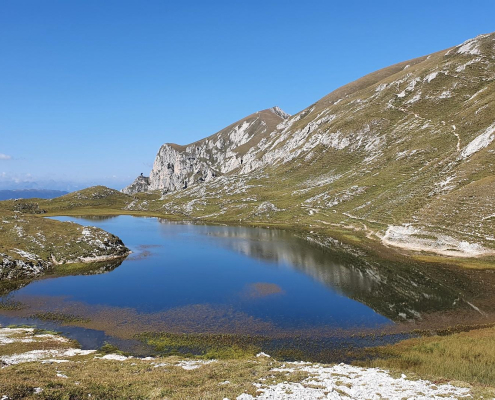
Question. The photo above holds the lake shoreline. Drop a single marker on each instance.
(360, 237)
(427, 325)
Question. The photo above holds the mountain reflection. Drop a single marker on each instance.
(398, 291)
(96, 217)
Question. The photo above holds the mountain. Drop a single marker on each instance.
(405, 154)
(177, 167)
(30, 193)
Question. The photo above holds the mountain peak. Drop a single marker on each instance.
(278, 111)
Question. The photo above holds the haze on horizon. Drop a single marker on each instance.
(90, 90)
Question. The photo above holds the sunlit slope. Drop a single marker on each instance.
(406, 153)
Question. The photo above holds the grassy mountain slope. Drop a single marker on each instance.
(405, 154)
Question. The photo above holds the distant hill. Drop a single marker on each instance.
(30, 193)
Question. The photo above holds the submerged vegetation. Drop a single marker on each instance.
(205, 346)
(60, 317)
(8, 304)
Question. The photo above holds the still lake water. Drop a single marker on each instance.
(221, 279)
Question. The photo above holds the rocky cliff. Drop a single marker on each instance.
(140, 184)
(178, 167)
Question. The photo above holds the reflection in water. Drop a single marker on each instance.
(102, 267)
(97, 217)
(95, 268)
(399, 291)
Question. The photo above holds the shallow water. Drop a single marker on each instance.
(217, 279)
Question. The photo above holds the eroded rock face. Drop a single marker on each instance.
(11, 268)
(140, 184)
(179, 167)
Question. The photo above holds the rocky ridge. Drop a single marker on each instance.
(404, 154)
(178, 167)
(11, 268)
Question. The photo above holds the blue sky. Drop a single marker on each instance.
(90, 89)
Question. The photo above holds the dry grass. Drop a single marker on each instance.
(136, 379)
(88, 376)
(467, 356)
(441, 359)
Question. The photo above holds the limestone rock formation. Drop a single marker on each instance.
(140, 184)
(11, 268)
(179, 167)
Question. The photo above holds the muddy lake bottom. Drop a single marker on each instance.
(194, 289)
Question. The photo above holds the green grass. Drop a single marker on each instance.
(45, 238)
(84, 268)
(109, 348)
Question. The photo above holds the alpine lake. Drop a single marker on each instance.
(193, 289)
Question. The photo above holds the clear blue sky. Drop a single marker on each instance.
(90, 89)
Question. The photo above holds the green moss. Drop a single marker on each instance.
(38, 331)
(14, 326)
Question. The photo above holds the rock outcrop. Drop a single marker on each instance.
(179, 167)
(140, 184)
(31, 246)
(11, 268)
